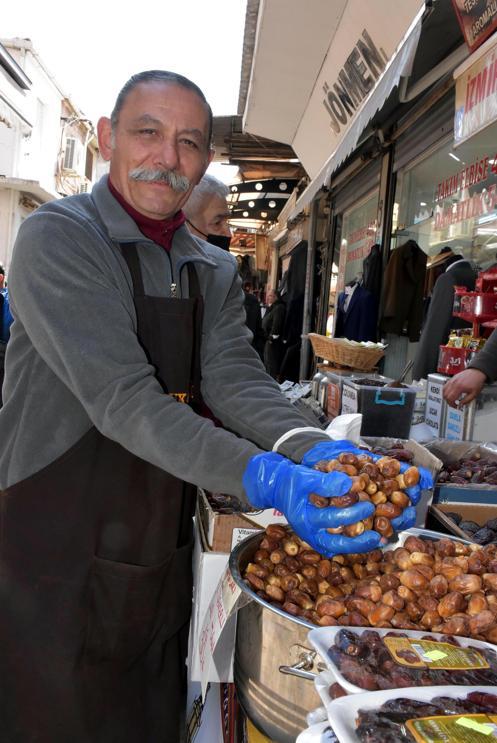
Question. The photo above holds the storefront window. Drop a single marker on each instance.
(357, 238)
(353, 244)
(450, 199)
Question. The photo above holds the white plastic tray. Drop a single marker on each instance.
(322, 682)
(343, 712)
(320, 733)
(322, 638)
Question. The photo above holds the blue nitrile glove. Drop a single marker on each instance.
(272, 481)
(331, 450)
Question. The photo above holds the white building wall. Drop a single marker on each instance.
(41, 106)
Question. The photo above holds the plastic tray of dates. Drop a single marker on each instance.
(369, 660)
(424, 581)
(455, 714)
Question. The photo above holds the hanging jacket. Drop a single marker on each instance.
(401, 309)
(358, 321)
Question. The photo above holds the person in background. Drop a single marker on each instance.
(207, 212)
(254, 319)
(5, 323)
(439, 321)
(124, 322)
(462, 388)
(273, 323)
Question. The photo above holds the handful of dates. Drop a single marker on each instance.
(387, 724)
(365, 661)
(441, 586)
(469, 470)
(379, 482)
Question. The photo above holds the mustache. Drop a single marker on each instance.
(176, 181)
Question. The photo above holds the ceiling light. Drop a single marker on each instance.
(245, 214)
(423, 203)
(251, 204)
(272, 204)
(234, 189)
(283, 186)
(258, 186)
(454, 157)
(264, 215)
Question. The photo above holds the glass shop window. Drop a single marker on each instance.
(450, 199)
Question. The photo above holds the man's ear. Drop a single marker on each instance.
(104, 131)
(208, 161)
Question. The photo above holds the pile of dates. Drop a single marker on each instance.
(395, 450)
(436, 585)
(473, 469)
(379, 482)
(485, 534)
(365, 661)
(387, 724)
(227, 504)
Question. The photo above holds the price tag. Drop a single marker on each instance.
(223, 604)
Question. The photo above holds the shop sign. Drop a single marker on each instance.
(476, 96)
(358, 56)
(434, 404)
(454, 205)
(454, 424)
(477, 19)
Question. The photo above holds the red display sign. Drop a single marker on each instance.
(477, 19)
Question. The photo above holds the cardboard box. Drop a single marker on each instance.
(224, 531)
(208, 568)
(478, 512)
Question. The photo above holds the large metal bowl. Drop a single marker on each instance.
(274, 662)
(267, 640)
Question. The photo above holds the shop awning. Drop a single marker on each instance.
(319, 71)
(398, 67)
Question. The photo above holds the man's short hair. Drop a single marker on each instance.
(206, 188)
(161, 76)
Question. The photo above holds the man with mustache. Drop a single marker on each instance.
(124, 324)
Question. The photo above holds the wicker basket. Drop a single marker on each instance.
(344, 354)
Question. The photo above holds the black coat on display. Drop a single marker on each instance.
(402, 296)
(358, 321)
(273, 323)
(372, 268)
(254, 322)
(439, 319)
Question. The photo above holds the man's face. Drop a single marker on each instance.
(212, 219)
(162, 128)
(271, 296)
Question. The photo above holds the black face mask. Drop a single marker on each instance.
(220, 241)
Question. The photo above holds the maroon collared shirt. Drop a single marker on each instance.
(161, 231)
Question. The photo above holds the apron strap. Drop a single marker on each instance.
(193, 285)
(130, 255)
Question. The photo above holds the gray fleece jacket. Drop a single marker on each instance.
(74, 361)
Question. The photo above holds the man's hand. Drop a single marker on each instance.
(271, 481)
(464, 387)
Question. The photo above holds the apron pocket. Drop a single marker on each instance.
(128, 603)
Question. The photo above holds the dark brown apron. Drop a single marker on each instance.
(95, 571)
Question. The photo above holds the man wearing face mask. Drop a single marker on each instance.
(207, 212)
